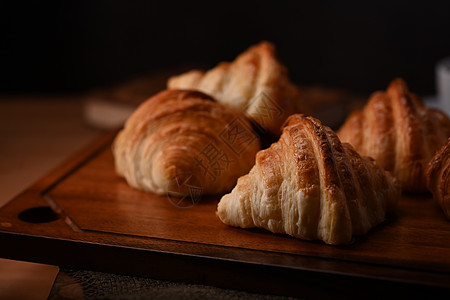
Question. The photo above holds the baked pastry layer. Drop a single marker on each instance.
(438, 178)
(255, 83)
(311, 186)
(399, 132)
(182, 142)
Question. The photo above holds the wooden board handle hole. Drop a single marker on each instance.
(39, 214)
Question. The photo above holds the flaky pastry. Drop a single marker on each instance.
(311, 186)
(182, 143)
(438, 178)
(399, 132)
(255, 83)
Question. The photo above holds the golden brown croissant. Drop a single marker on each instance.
(399, 132)
(438, 178)
(183, 142)
(255, 83)
(311, 186)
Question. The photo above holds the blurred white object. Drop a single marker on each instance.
(104, 114)
(443, 84)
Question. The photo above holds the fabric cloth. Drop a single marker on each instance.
(83, 284)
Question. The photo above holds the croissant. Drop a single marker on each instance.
(310, 186)
(183, 142)
(399, 132)
(255, 83)
(438, 177)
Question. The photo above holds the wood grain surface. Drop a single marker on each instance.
(104, 224)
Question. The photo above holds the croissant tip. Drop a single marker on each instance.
(265, 44)
(399, 84)
(262, 47)
(295, 118)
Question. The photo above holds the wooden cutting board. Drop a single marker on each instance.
(97, 221)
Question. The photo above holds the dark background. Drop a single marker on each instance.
(73, 46)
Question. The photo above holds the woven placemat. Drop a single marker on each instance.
(83, 284)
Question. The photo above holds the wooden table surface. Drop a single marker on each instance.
(37, 133)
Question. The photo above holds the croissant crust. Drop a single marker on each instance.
(399, 132)
(255, 83)
(311, 186)
(438, 178)
(183, 142)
